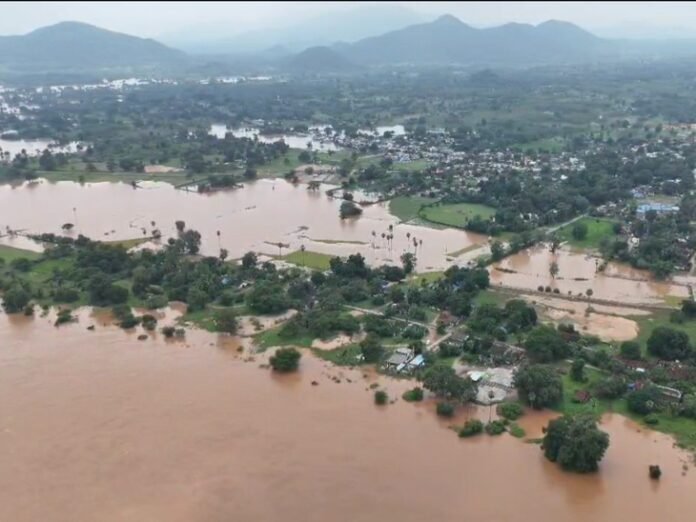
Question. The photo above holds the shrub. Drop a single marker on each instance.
(610, 388)
(168, 331)
(444, 409)
(285, 360)
(66, 294)
(651, 419)
(630, 350)
(516, 430)
(643, 401)
(381, 397)
(495, 427)
(414, 395)
(64, 316)
(149, 322)
(471, 427)
(129, 321)
(156, 301)
(510, 410)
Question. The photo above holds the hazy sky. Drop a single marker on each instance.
(160, 18)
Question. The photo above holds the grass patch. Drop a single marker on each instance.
(9, 253)
(406, 208)
(455, 214)
(597, 229)
(492, 297)
(648, 323)
(425, 278)
(313, 260)
(270, 338)
(343, 356)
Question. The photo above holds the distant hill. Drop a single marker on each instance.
(448, 40)
(319, 60)
(349, 25)
(77, 46)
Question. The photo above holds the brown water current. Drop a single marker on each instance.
(96, 425)
(249, 218)
(578, 272)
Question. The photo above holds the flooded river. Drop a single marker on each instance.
(578, 272)
(250, 218)
(96, 425)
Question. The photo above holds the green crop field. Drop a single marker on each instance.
(455, 214)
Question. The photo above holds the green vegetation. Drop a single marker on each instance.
(407, 208)
(510, 410)
(455, 215)
(285, 360)
(414, 395)
(9, 254)
(516, 430)
(381, 398)
(313, 260)
(471, 427)
(575, 443)
(444, 409)
(597, 230)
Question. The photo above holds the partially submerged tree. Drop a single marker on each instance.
(575, 442)
(285, 360)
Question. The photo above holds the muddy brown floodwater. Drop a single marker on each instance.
(249, 218)
(96, 425)
(620, 283)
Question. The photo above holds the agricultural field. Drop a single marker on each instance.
(455, 214)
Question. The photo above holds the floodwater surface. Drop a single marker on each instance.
(96, 425)
(256, 217)
(579, 272)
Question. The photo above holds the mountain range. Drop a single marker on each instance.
(73, 46)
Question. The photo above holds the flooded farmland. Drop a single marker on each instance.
(194, 431)
(256, 217)
(294, 141)
(578, 272)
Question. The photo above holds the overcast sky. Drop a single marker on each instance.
(153, 19)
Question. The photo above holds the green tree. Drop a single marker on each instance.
(631, 350)
(371, 348)
(349, 209)
(408, 260)
(225, 320)
(546, 344)
(381, 397)
(575, 442)
(577, 371)
(579, 231)
(443, 381)
(669, 344)
(285, 360)
(539, 386)
(15, 299)
(249, 260)
(497, 251)
(644, 401)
